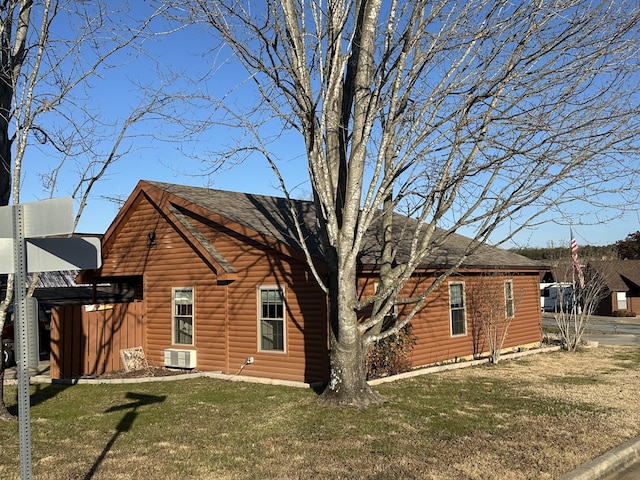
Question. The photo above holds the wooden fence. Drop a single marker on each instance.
(86, 341)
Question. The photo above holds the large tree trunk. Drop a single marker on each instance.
(6, 93)
(348, 377)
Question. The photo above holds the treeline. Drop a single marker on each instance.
(627, 249)
(607, 252)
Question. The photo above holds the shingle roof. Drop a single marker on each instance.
(265, 215)
(270, 216)
(619, 275)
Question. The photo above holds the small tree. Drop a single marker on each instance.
(573, 317)
(491, 308)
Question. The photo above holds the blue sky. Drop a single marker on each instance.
(152, 159)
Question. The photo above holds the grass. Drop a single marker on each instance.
(628, 358)
(483, 422)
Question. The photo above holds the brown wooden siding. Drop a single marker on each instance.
(89, 343)
(432, 324)
(225, 316)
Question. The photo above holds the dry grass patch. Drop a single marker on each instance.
(534, 418)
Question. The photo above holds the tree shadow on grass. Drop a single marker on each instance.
(125, 424)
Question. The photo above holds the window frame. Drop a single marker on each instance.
(453, 309)
(261, 319)
(621, 301)
(509, 303)
(175, 315)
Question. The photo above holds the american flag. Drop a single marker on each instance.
(576, 263)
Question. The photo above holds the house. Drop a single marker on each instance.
(222, 285)
(621, 279)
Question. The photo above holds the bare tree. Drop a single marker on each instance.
(461, 113)
(579, 299)
(491, 305)
(52, 54)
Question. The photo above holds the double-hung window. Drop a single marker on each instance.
(183, 316)
(508, 298)
(271, 319)
(457, 309)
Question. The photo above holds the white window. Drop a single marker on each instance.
(183, 316)
(621, 298)
(508, 298)
(457, 309)
(271, 319)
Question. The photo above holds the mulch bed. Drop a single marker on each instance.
(145, 372)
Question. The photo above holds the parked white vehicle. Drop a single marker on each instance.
(554, 295)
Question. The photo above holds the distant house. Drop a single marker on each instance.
(219, 278)
(621, 279)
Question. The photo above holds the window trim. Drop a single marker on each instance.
(622, 302)
(509, 302)
(259, 290)
(174, 340)
(463, 308)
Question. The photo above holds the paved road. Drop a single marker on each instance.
(607, 330)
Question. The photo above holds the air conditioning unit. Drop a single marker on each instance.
(176, 358)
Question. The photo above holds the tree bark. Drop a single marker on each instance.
(348, 376)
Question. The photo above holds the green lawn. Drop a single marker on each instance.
(480, 422)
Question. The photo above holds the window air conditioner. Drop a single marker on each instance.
(179, 358)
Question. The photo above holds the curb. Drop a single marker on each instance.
(609, 462)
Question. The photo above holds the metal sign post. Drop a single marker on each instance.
(20, 324)
(22, 228)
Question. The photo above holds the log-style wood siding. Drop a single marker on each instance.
(226, 300)
(225, 316)
(432, 324)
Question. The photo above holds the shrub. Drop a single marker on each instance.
(624, 313)
(392, 354)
